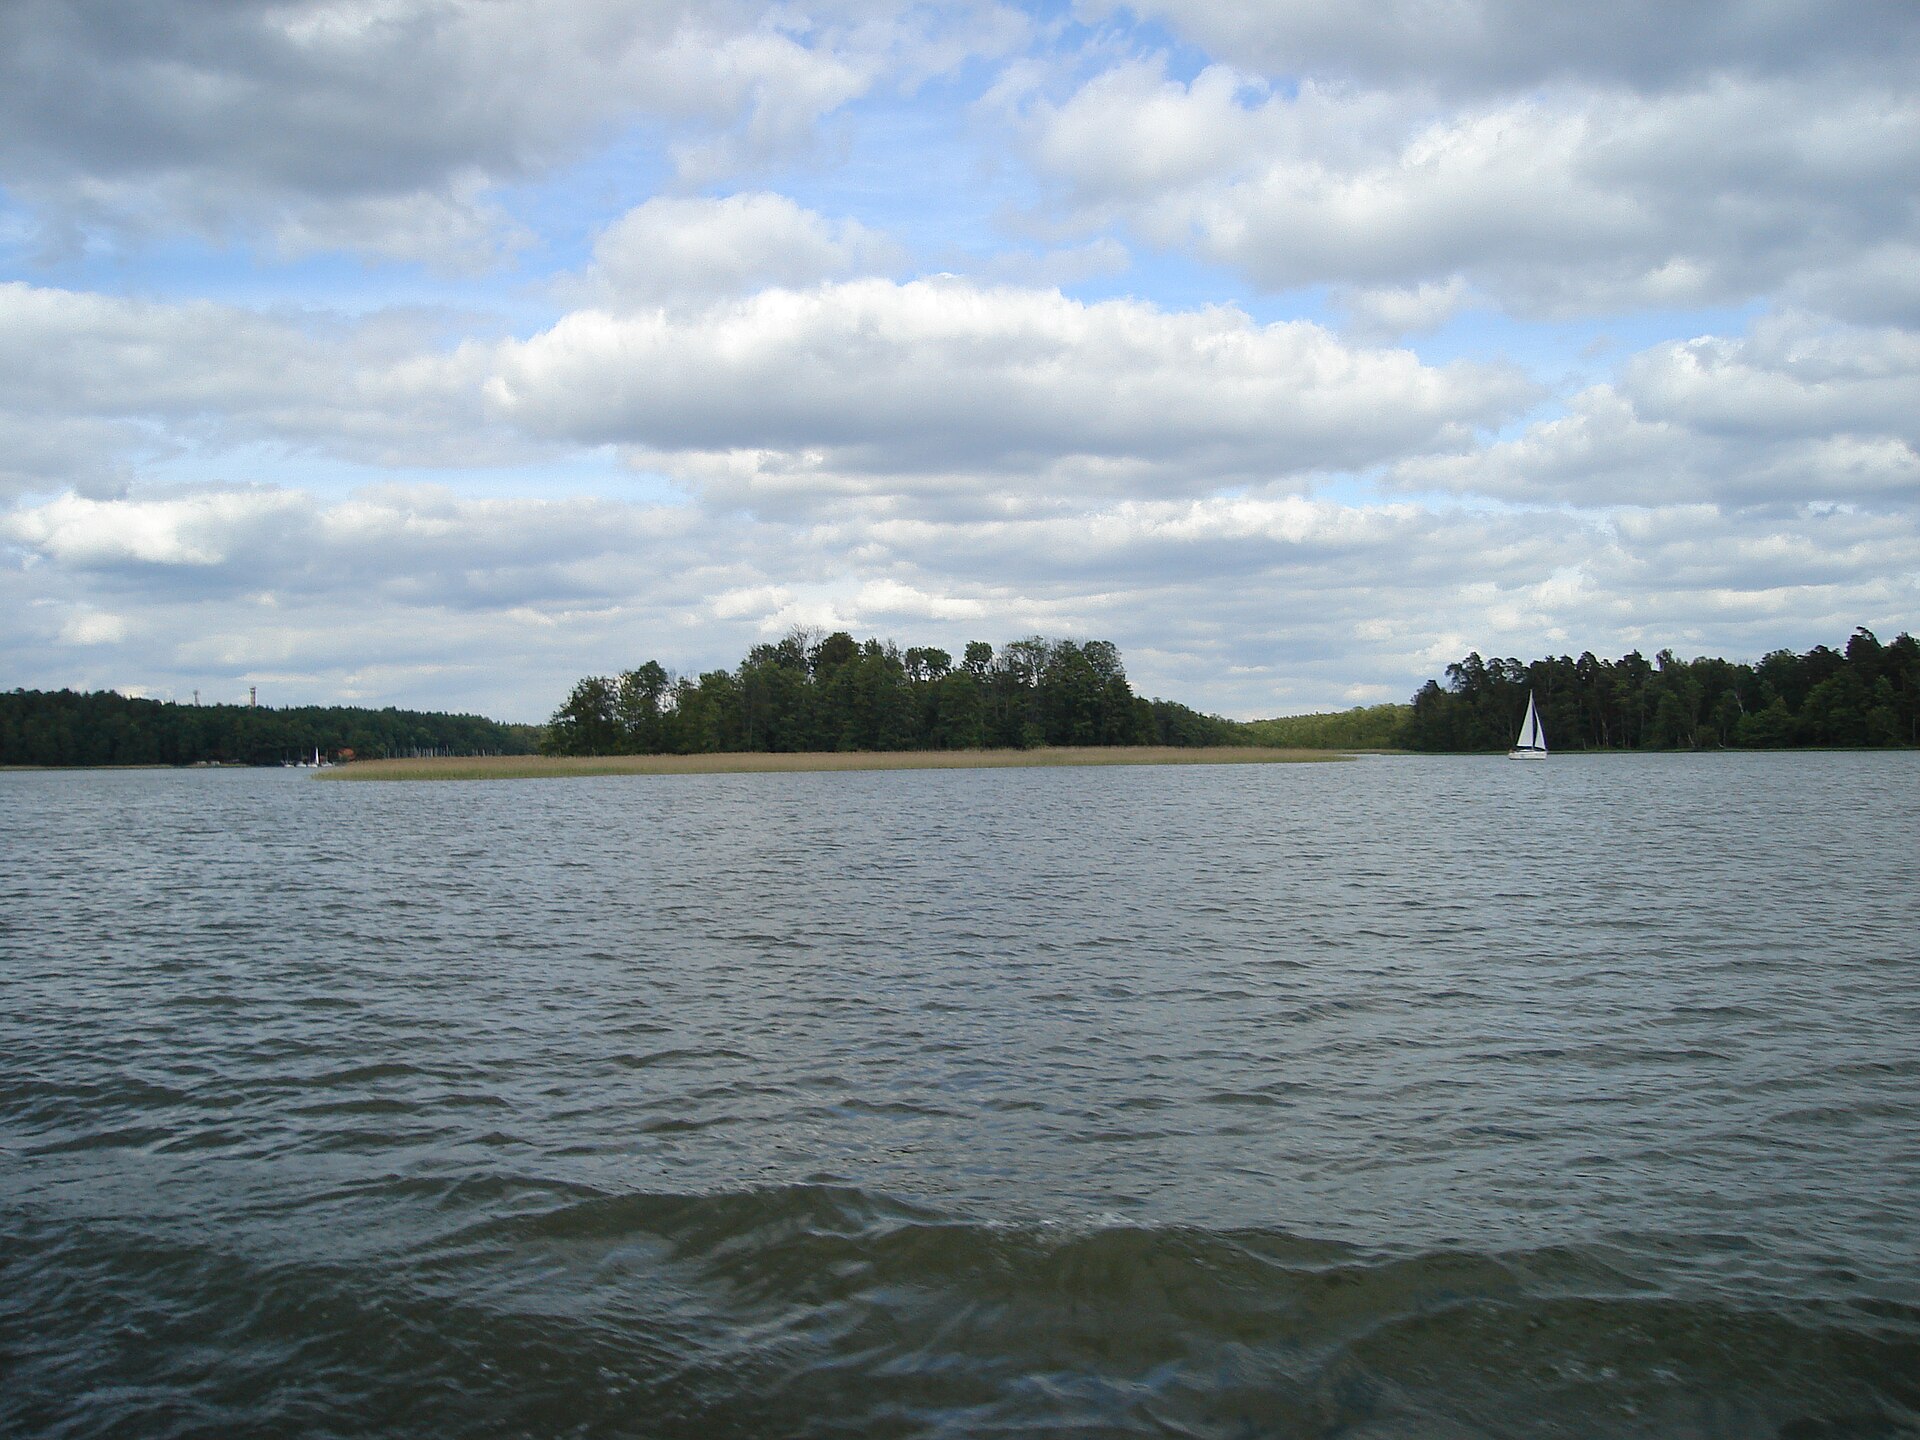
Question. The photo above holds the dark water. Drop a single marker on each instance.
(1398, 1098)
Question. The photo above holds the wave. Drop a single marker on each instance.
(826, 1310)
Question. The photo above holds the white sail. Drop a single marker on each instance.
(1533, 735)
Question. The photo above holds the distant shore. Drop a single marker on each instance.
(534, 767)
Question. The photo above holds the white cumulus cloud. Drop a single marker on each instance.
(1558, 200)
(672, 249)
(940, 385)
(1795, 411)
(388, 127)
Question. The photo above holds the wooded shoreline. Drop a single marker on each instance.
(832, 698)
(553, 767)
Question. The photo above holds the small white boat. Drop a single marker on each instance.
(1532, 744)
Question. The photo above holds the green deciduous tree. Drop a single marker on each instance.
(587, 722)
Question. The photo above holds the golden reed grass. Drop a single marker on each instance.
(531, 767)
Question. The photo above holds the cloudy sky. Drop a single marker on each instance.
(437, 352)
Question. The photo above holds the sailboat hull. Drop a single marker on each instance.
(1526, 754)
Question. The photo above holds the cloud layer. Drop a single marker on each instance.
(429, 352)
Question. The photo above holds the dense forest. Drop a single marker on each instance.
(1365, 727)
(813, 692)
(62, 727)
(1864, 695)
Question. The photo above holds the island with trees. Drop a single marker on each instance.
(817, 693)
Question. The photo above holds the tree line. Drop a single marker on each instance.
(1865, 694)
(1365, 727)
(813, 692)
(65, 727)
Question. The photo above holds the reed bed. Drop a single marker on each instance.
(538, 767)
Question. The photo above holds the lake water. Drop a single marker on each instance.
(1406, 1097)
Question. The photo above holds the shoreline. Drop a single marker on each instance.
(553, 767)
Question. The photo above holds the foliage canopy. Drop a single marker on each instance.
(814, 692)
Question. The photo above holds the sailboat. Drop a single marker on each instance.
(1532, 744)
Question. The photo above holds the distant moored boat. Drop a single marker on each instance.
(1532, 744)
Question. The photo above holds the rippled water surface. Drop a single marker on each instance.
(1420, 1097)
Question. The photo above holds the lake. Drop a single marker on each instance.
(1432, 1096)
